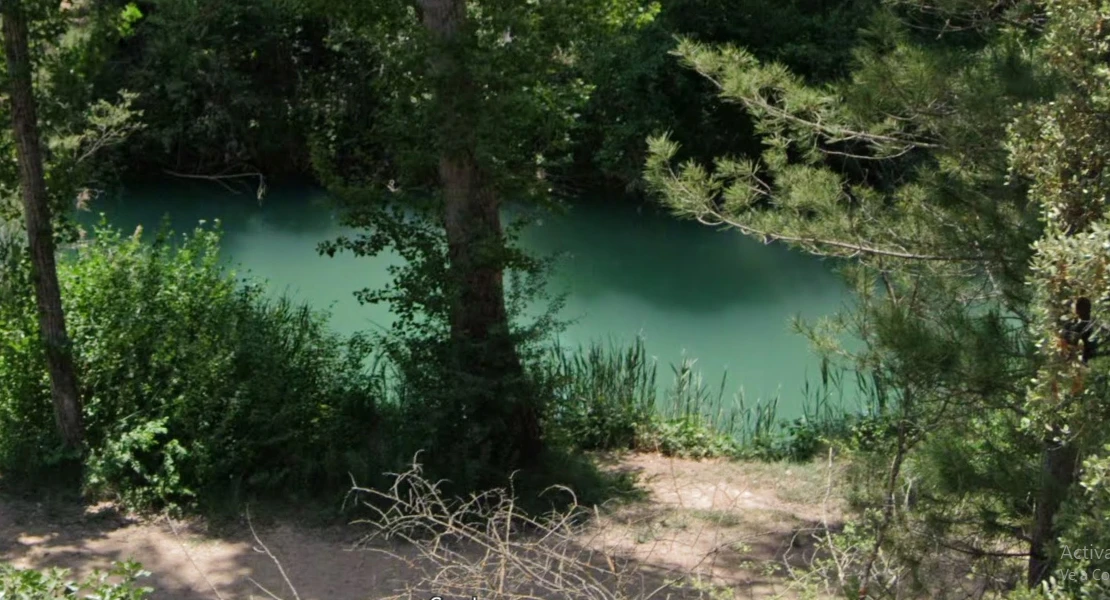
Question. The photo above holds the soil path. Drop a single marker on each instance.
(722, 521)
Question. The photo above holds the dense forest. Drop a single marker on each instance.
(949, 157)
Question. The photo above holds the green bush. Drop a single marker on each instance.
(194, 382)
(689, 437)
(118, 583)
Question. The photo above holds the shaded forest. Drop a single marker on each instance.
(948, 158)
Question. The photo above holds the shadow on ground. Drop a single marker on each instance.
(722, 521)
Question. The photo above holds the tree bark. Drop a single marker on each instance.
(480, 330)
(1058, 474)
(40, 233)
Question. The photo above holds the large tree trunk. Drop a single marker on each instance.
(40, 234)
(480, 335)
(1058, 474)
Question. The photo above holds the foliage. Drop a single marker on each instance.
(1082, 570)
(117, 583)
(902, 170)
(80, 129)
(221, 83)
(638, 90)
(287, 86)
(497, 101)
(688, 437)
(1060, 148)
(606, 397)
(196, 385)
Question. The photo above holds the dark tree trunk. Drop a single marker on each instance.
(40, 234)
(479, 320)
(1058, 474)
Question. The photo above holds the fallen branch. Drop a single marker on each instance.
(263, 549)
(189, 555)
(220, 179)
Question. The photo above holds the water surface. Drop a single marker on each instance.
(688, 290)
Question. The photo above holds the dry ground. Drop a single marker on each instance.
(726, 522)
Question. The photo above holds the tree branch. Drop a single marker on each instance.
(261, 191)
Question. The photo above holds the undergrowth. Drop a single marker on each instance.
(193, 380)
(201, 390)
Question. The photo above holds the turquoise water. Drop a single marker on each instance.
(627, 271)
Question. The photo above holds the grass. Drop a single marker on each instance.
(606, 396)
(719, 518)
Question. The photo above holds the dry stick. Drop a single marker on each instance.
(825, 522)
(888, 507)
(189, 555)
(496, 541)
(261, 191)
(277, 562)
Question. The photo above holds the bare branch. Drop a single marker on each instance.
(220, 179)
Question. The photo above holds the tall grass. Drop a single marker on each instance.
(606, 396)
(602, 395)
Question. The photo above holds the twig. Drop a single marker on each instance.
(189, 555)
(260, 192)
(263, 588)
(266, 551)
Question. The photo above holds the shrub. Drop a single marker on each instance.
(689, 437)
(194, 382)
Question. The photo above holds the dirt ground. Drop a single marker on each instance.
(721, 521)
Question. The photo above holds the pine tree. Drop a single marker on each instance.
(903, 172)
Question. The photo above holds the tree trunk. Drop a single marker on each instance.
(480, 331)
(40, 233)
(1058, 474)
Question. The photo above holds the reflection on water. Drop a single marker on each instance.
(714, 295)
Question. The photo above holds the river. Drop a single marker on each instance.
(627, 271)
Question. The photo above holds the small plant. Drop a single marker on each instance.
(688, 437)
(117, 583)
(605, 397)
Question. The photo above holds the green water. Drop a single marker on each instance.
(626, 271)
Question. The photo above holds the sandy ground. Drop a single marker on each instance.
(726, 522)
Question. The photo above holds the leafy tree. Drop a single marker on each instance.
(221, 83)
(48, 61)
(480, 98)
(638, 89)
(1063, 148)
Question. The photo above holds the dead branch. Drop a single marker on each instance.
(221, 179)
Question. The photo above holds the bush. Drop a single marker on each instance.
(194, 382)
(46, 585)
(689, 437)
